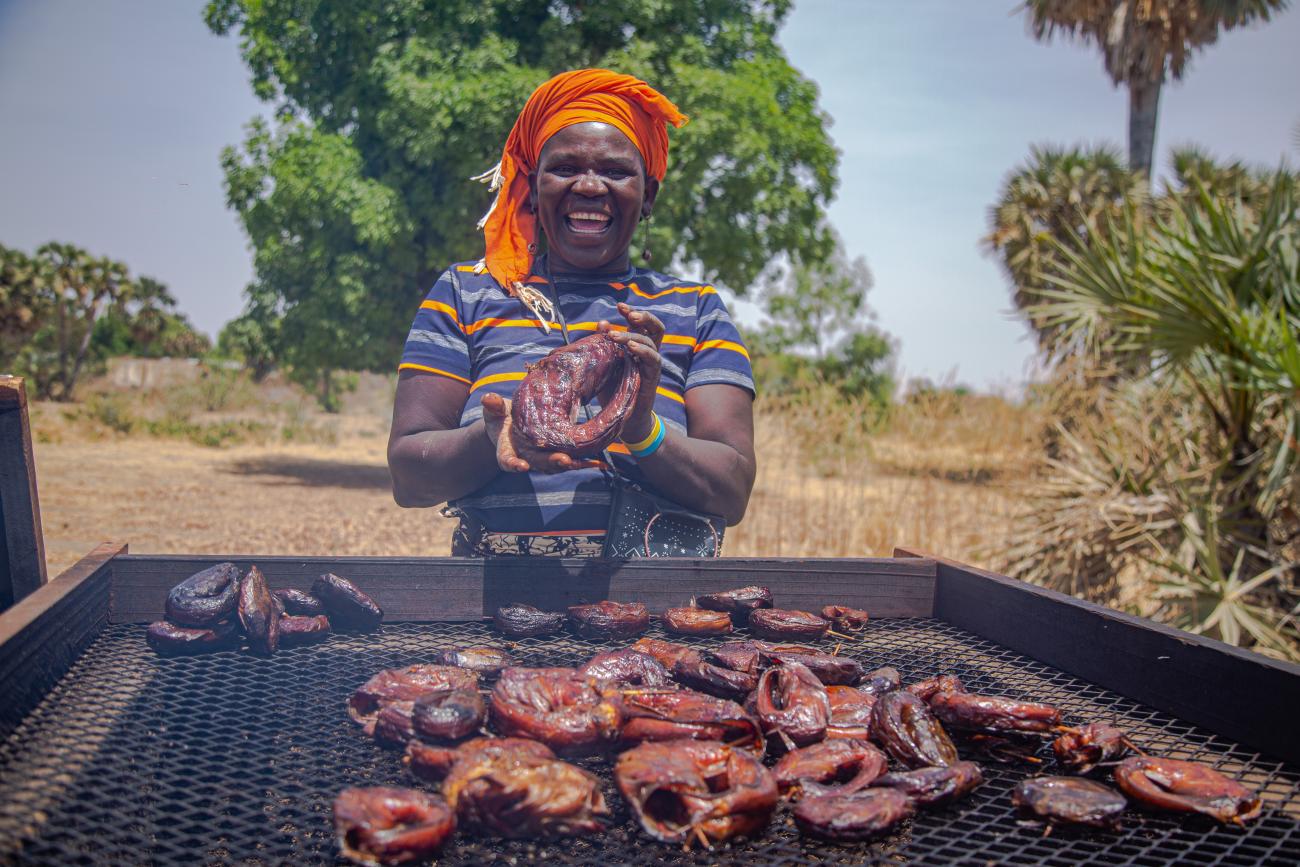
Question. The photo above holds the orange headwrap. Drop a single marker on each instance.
(635, 108)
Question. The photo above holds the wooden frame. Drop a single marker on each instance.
(1238, 694)
(22, 548)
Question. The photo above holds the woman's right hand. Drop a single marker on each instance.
(515, 455)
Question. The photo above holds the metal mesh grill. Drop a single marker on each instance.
(233, 759)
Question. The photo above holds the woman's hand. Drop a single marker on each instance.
(513, 454)
(643, 337)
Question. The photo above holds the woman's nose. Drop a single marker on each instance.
(589, 184)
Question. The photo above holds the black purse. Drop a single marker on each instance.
(642, 524)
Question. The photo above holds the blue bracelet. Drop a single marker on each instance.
(660, 432)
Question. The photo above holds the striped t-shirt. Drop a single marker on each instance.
(468, 329)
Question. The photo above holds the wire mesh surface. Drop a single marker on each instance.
(234, 759)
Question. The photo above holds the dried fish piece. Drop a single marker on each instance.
(448, 715)
(904, 726)
(850, 705)
(687, 791)
(258, 614)
(296, 630)
(205, 597)
(986, 713)
(383, 825)
(627, 667)
(829, 767)
(569, 712)
(1186, 787)
(697, 621)
(830, 669)
(931, 786)
(740, 603)
(299, 603)
(511, 790)
(846, 619)
(682, 713)
(432, 762)
(932, 686)
(779, 624)
(349, 608)
(172, 640)
(484, 660)
(859, 815)
(699, 671)
(605, 620)
(1072, 800)
(881, 680)
(791, 705)
(524, 621)
(667, 652)
(1081, 749)
(404, 684)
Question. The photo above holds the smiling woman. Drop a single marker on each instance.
(580, 170)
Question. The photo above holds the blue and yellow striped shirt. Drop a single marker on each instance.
(468, 329)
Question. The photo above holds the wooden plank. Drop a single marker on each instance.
(1234, 692)
(452, 588)
(22, 547)
(42, 636)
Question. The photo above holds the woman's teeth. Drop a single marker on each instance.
(589, 222)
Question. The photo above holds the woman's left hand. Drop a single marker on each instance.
(643, 337)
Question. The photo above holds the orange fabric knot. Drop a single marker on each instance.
(635, 108)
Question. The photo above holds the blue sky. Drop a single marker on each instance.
(112, 116)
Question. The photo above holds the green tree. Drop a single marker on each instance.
(147, 325)
(1142, 42)
(246, 339)
(358, 197)
(23, 302)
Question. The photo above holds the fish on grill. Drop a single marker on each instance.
(205, 597)
(855, 816)
(627, 667)
(932, 686)
(299, 603)
(829, 668)
(931, 786)
(965, 711)
(830, 767)
(904, 726)
(881, 680)
(1180, 786)
(780, 624)
(348, 607)
(172, 640)
(792, 706)
(383, 825)
(689, 791)
(296, 630)
(258, 614)
(685, 714)
(1081, 749)
(609, 620)
(701, 670)
(845, 619)
(667, 652)
(518, 620)
(569, 712)
(448, 715)
(697, 621)
(739, 603)
(545, 407)
(404, 685)
(484, 660)
(1070, 800)
(432, 762)
(500, 787)
(850, 712)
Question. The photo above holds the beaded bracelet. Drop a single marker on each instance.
(652, 442)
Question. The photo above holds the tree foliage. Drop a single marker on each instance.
(1143, 41)
(62, 309)
(358, 196)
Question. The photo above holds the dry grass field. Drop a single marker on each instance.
(237, 470)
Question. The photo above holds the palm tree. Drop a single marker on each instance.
(1059, 195)
(1141, 42)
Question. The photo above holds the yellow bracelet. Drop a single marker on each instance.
(650, 438)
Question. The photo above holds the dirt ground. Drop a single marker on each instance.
(168, 495)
